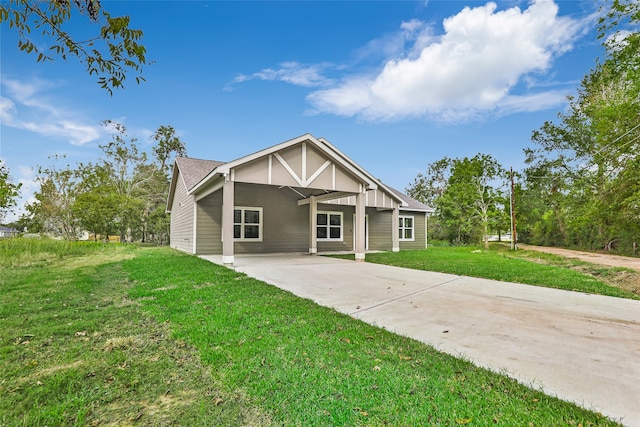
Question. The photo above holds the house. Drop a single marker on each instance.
(302, 195)
(8, 232)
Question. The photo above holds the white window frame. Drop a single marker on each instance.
(328, 227)
(402, 228)
(242, 224)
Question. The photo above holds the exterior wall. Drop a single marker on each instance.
(210, 224)
(379, 229)
(419, 231)
(298, 166)
(181, 235)
(347, 229)
(285, 224)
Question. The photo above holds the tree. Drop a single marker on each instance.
(96, 205)
(168, 145)
(466, 194)
(427, 188)
(8, 190)
(123, 193)
(472, 196)
(592, 152)
(54, 201)
(141, 186)
(111, 54)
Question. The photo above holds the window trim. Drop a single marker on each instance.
(328, 227)
(242, 209)
(402, 228)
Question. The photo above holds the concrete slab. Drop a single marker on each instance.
(582, 348)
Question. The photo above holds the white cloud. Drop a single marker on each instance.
(471, 69)
(25, 106)
(7, 110)
(532, 102)
(618, 40)
(290, 72)
(415, 33)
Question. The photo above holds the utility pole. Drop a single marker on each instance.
(514, 236)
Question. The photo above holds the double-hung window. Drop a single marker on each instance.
(406, 230)
(247, 224)
(329, 226)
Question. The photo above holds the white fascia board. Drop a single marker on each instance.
(417, 210)
(175, 174)
(203, 182)
(270, 150)
(215, 186)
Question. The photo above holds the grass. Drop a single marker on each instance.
(23, 252)
(498, 263)
(127, 335)
(76, 350)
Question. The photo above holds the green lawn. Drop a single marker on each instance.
(501, 264)
(149, 336)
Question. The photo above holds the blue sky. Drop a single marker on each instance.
(395, 85)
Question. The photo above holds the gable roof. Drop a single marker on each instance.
(412, 204)
(194, 170)
(195, 173)
(321, 144)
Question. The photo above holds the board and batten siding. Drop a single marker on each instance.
(181, 235)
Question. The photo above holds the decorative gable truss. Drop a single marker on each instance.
(302, 180)
(301, 165)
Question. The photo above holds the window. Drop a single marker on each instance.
(406, 228)
(247, 224)
(329, 226)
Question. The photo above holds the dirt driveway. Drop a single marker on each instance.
(595, 258)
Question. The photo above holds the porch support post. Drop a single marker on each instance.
(359, 226)
(395, 224)
(313, 222)
(227, 221)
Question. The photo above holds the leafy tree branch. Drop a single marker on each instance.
(111, 55)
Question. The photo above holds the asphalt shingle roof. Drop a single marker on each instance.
(194, 170)
(413, 203)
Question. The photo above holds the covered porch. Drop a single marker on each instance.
(323, 185)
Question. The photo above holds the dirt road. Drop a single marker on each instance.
(603, 259)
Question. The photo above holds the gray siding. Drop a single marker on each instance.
(210, 225)
(286, 225)
(182, 219)
(380, 238)
(347, 229)
(419, 232)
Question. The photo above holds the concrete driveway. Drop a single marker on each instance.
(582, 348)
